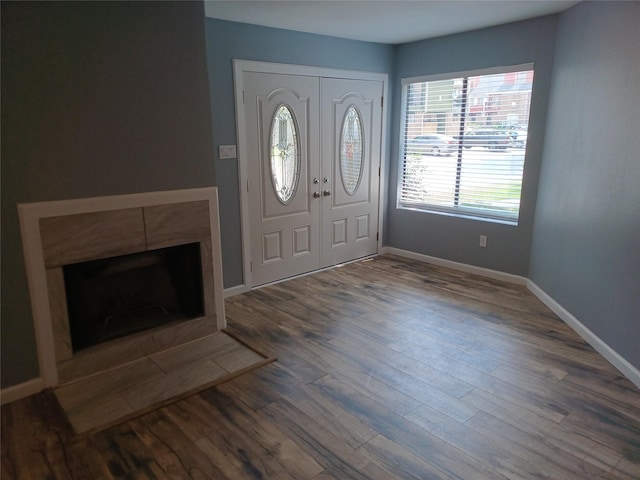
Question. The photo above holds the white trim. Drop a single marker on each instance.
(21, 390)
(628, 370)
(462, 267)
(468, 73)
(242, 66)
(37, 280)
(613, 357)
(237, 290)
(383, 190)
(114, 202)
(30, 215)
(322, 269)
(216, 257)
(243, 175)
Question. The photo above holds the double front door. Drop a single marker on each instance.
(313, 171)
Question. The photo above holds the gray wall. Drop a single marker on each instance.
(229, 40)
(97, 99)
(455, 238)
(586, 240)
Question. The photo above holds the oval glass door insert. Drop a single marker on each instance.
(351, 156)
(285, 157)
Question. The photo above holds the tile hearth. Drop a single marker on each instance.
(117, 395)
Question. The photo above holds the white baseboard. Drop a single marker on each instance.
(237, 290)
(613, 357)
(16, 392)
(462, 267)
(36, 385)
(628, 370)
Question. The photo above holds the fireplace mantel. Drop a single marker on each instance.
(59, 233)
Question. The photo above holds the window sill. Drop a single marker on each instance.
(463, 215)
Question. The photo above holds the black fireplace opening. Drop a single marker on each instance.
(118, 296)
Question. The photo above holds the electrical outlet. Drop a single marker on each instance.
(483, 241)
(227, 151)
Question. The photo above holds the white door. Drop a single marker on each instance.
(312, 163)
(282, 135)
(351, 124)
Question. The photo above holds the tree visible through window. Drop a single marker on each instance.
(463, 143)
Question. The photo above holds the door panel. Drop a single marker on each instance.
(322, 209)
(351, 128)
(285, 223)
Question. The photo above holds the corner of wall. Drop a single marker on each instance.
(613, 357)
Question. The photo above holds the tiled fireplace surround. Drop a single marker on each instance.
(59, 233)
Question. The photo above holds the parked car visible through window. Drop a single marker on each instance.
(432, 144)
(518, 138)
(492, 139)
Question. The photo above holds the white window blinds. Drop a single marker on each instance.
(463, 143)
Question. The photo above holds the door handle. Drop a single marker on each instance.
(316, 194)
(326, 193)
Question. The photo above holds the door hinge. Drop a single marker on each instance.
(381, 101)
(251, 266)
(377, 236)
(243, 97)
(378, 171)
(247, 186)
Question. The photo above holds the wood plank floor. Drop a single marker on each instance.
(387, 369)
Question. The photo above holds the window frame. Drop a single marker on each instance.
(467, 212)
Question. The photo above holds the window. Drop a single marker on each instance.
(463, 142)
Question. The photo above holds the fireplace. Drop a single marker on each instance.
(115, 279)
(118, 296)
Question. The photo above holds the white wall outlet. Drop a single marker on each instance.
(227, 151)
(483, 241)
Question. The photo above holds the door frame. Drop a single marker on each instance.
(240, 67)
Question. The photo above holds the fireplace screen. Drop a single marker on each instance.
(117, 296)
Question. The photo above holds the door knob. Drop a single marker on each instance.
(326, 193)
(316, 194)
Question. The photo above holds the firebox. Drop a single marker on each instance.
(118, 296)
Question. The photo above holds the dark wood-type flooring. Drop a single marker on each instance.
(387, 369)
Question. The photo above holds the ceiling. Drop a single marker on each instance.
(383, 21)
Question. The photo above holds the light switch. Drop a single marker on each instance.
(227, 151)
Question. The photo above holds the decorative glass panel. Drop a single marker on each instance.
(351, 158)
(285, 157)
